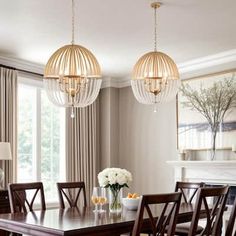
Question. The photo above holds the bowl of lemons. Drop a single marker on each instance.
(131, 202)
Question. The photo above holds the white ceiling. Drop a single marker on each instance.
(118, 32)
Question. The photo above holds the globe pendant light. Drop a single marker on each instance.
(155, 76)
(72, 75)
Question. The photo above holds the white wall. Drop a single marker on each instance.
(136, 138)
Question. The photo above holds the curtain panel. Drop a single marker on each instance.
(82, 146)
(8, 120)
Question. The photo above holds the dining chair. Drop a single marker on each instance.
(189, 191)
(70, 191)
(212, 200)
(232, 218)
(166, 216)
(22, 196)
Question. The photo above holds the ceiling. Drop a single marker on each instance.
(117, 32)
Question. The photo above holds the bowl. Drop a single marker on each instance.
(131, 203)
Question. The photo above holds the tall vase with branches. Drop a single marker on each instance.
(212, 102)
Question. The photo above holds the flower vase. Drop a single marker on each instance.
(115, 200)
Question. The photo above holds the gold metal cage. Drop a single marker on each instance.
(72, 61)
(155, 65)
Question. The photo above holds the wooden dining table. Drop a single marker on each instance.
(75, 221)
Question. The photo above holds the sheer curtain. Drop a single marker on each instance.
(82, 146)
(8, 120)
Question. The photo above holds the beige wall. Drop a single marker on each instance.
(109, 130)
(136, 138)
(147, 141)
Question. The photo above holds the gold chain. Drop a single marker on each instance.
(73, 22)
(155, 29)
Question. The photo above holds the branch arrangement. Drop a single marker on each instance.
(212, 102)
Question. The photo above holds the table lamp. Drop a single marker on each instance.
(5, 154)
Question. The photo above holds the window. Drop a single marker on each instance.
(41, 139)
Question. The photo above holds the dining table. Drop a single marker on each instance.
(82, 221)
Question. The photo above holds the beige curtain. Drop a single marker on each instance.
(8, 120)
(82, 146)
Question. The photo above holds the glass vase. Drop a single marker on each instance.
(115, 201)
(213, 144)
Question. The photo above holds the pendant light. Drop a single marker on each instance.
(155, 76)
(72, 75)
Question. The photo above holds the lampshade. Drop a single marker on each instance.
(5, 151)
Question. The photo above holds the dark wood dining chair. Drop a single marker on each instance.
(232, 218)
(22, 196)
(189, 191)
(166, 217)
(70, 191)
(214, 210)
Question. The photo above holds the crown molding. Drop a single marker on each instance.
(115, 82)
(207, 62)
(106, 82)
(197, 66)
(22, 64)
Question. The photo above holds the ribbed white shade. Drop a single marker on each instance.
(143, 96)
(84, 98)
(5, 151)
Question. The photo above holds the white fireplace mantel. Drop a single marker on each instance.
(203, 164)
(216, 172)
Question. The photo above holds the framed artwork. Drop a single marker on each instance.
(194, 129)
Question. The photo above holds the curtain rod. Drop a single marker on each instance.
(26, 71)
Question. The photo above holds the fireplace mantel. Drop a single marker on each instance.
(218, 172)
(203, 164)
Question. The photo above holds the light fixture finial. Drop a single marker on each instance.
(156, 5)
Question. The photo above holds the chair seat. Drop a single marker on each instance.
(183, 229)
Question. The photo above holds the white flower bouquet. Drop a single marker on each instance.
(114, 176)
(114, 179)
